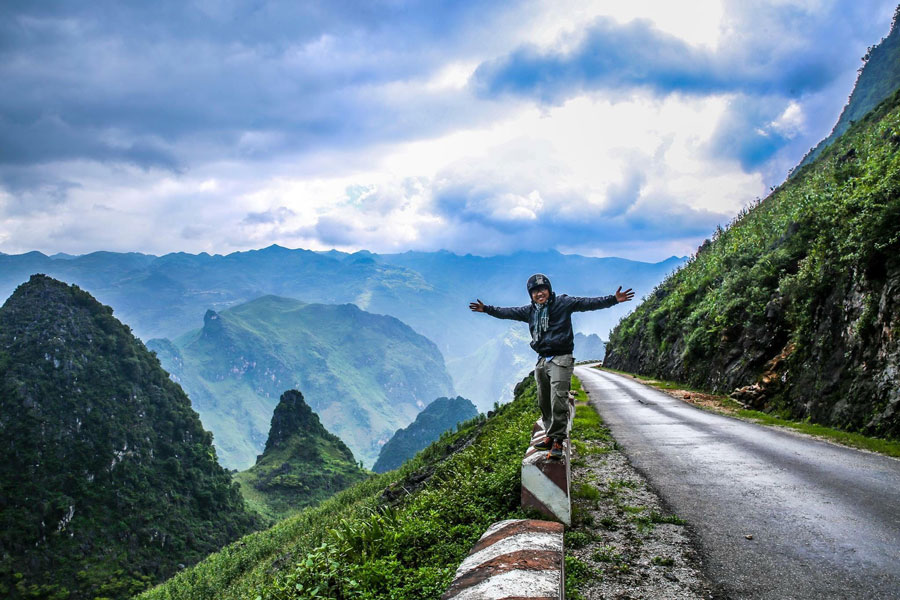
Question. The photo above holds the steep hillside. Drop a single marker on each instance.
(302, 464)
(798, 301)
(439, 417)
(365, 375)
(400, 535)
(108, 481)
(878, 79)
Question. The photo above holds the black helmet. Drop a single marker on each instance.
(538, 280)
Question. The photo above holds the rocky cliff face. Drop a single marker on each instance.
(108, 480)
(794, 307)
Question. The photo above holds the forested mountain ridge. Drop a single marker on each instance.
(108, 481)
(365, 375)
(301, 465)
(164, 296)
(439, 417)
(797, 303)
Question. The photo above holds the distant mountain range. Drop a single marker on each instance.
(430, 291)
(301, 465)
(365, 375)
(108, 482)
(589, 347)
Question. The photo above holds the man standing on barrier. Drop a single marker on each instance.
(549, 318)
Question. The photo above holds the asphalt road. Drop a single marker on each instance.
(825, 519)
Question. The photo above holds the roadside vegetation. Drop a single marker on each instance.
(795, 301)
(400, 535)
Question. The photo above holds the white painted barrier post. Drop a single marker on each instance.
(518, 558)
(546, 481)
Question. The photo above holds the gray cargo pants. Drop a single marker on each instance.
(554, 378)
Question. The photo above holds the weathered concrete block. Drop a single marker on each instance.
(518, 558)
(545, 483)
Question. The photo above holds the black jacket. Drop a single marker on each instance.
(559, 338)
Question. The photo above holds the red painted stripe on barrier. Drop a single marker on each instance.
(529, 499)
(515, 528)
(521, 560)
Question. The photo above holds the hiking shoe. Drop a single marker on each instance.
(556, 451)
(544, 444)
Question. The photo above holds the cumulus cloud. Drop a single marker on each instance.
(471, 126)
(169, 83)
(769, 59)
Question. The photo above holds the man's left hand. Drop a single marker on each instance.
(624, 296)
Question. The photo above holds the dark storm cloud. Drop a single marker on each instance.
(797, 57)
(167, 84)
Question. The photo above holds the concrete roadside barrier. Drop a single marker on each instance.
(546, 482)
(514, 559)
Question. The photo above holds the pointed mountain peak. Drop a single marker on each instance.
(275, 248)
(293, 416)
(89, 419)
(302, 464)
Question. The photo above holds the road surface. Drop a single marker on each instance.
(824, 519)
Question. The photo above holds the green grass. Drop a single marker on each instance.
(846, 438)
(656, 517)
(577, 539)
(615, 484)
(606, 554)
(587, 425)
(361, 544)
(585, 491)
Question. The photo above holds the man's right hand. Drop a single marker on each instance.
(477, 306)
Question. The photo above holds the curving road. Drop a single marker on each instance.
(824, 519)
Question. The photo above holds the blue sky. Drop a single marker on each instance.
(482, 127)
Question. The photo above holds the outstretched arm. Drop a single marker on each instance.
(585, 304)
(518, 313)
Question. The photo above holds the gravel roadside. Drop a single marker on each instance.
(623, 543)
